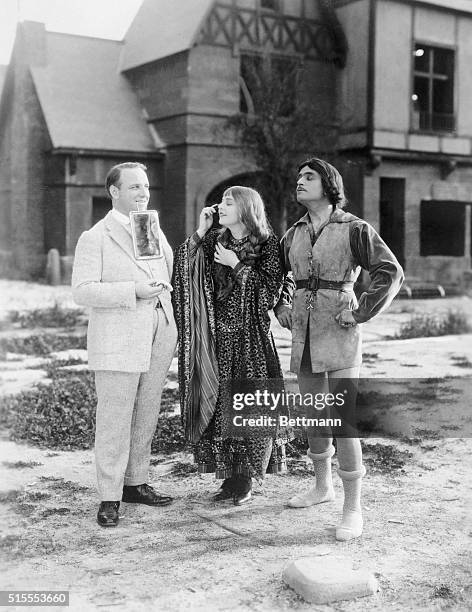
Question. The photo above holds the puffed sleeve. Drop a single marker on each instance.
(386, 274)
(288, 286)
(206, 243)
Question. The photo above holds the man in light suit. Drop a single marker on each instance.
(131, 341)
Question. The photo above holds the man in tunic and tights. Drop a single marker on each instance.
(323, 254)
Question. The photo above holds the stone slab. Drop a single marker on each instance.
(325, 580)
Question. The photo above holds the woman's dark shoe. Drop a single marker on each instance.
(240, 499)
(107, 515)
(226, 491)
(222, 495)
(242, 490)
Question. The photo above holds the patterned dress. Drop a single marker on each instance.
(243, 350)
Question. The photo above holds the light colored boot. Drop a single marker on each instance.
(323, 490)
(352, 523)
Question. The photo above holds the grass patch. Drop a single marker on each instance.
(41, 345)
(370, 357)
(385, 458)
(429, 434)
(170, 398)
(461, 361)
(9, 497)
(156, 461)
(19, 465)
(299, 467)
(57, 416)
(9, 542)
(61, 415)
(423, 325)
(183, 469)
(169, 436)
(297, 447)
(58, 484)
(443, 592)
(54, 316)
(24, 503)
(54, 511)
(54, 368)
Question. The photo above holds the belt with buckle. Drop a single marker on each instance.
(315, 282)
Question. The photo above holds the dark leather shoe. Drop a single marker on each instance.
(107, 515)
(144, 494)
(240, 499)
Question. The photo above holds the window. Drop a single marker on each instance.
(250, 71)
(392, 215)
(442, 228)
(271, 5)
(268, 81)
(433, 89)
(100, 207)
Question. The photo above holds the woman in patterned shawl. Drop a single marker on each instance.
(225, 283)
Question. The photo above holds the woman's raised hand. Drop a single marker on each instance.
(206, 219)
(225, 257)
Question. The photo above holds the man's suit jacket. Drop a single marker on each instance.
(120, 331)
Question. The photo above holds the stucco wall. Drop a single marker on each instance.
(352, 80)
(423, 182)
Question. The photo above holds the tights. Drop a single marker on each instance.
(320, 439)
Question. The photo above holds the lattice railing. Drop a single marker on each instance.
(249, 29)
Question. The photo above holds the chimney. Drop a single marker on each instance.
(31, 39)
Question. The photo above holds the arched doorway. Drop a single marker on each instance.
(251, 179)
(260, 182)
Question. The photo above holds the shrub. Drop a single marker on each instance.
(57, 416)
(169, 436)
(426, 325)
(42, 344)
(54, 316)
(386, 459)
(61, 415)
(54, 367)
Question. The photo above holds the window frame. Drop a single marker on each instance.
(270, 10)
(460, 206)
(433, 131)
(245, 90)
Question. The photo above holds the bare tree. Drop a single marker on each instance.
(278, 124)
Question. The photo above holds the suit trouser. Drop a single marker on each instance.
(127, 413)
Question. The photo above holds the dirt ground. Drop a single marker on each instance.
(198, 555)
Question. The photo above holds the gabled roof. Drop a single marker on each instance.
(86, 102)
(3, 73)
(453, 5)
(162, 28)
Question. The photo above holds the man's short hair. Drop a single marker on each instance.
(114, 174)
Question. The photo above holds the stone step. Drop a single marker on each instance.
(328, 579)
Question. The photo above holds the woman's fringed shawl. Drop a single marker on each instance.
(195, 317)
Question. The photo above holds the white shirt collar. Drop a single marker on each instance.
(120, 217)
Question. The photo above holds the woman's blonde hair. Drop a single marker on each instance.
(253, 216)
(252, 211)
